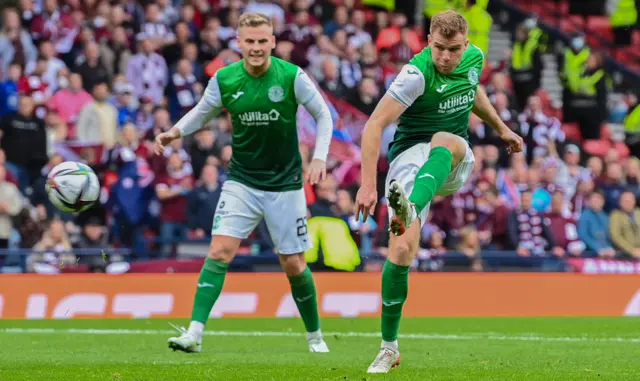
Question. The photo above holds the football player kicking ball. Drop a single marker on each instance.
(262, 94)
(429, 155)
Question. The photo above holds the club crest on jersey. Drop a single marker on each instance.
(276, 94)
(473, 76)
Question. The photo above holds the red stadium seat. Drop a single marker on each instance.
(600, 25)
(572, 24)
(572, 131)
(596, 147)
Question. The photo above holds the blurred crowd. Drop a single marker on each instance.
(95, 81)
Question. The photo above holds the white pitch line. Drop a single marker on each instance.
(415, 336)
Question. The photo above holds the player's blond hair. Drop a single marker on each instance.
(448, 24)
(254, 20)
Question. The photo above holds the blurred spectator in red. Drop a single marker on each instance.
(625, 226)
(202, 202)
(492, 219)
(584, 188)
(55, 67)
(147, 71)
(15, 43)
(56, 25)
(538, 129)
(527, 232)
(393, 34)
(24, 141)
(563, 227)
(172, 190)
(69, 101)
(98, 120)
(593, 227)
(34, 86)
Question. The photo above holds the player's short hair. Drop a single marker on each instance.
(254, 20)
(449, 23)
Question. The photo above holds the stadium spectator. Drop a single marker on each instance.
(9, 90)
(183, 91)
(632, 171)
(98, 120)
(53, 250)
(625, 226)
(11, 202)
(367, 96)
(172, 52)
(563, 227)
(526, 61)
(593, 227)
(16, 45)
(538, 129)
(202, 203)
(172, 190)
(528, 233)
(469, 245)
(33, 85)
(91, 68)
(205, 145)
(612, 186)
(147, 71)
(116, 51)
(69, 101)
(24, 141)
(584, 188)
(55, 66)
(125, 103)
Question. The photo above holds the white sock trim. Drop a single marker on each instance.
(314, 335)
(393, 345)
(196, 328)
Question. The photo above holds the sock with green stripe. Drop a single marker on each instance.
(303, 290)
(430, 177)
(395, 288)
(209, 288)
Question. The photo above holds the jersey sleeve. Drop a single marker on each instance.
(408, 85)
(206, 109)
(304, 88)
(308, 95)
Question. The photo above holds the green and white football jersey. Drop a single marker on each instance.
(436, 102)
(263, 113)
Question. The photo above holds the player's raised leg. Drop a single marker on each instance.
(447, 151)
(303, 290)
(210, 283)
(395, 289)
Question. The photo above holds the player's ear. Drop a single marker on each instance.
(466, 43)
(429, 39)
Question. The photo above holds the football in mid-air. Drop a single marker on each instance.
(72, 186)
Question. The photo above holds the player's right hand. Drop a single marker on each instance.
(366, 201)
(164, 139)
(515, 143)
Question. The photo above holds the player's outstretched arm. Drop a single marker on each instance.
(307, 94)
(386, 112)
(206, 109)
(405, 89)
(483, 108)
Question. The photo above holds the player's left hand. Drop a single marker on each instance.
(513, 140)
(317, 171)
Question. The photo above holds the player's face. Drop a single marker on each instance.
(256, 44)
(447, 52)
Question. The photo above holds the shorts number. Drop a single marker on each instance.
(301, 225)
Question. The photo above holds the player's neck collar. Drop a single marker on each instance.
(249, 73)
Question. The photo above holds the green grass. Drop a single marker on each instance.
(440, 349)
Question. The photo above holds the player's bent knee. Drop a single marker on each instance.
(402, 251)
(223, 249)
(293, 264)
(455, 144)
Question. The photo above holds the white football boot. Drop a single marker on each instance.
(186, 342)
(403, 212)
(386, 360)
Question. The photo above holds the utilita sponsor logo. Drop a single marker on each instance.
(256, 118)
(457, 103)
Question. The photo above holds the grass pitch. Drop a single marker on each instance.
(275, 349)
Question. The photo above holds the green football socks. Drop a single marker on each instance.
(209, 288)
(303, 290)
(395, 288)
(430, 177)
